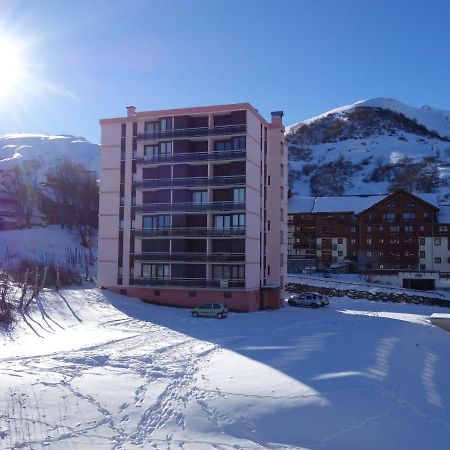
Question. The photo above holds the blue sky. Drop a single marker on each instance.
(89, 59)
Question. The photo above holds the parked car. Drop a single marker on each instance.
(218, 310)
(309, 300)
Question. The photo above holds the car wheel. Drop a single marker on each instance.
(194, 314)
(290, 302)
(219, 315)
(314, 305)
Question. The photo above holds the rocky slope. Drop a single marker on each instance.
(371, 147)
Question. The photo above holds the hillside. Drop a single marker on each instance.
(370, 147)
(41, 150)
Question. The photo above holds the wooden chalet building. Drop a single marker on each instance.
(401, 238)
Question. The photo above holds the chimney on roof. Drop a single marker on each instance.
(131, 111)
(277, 117)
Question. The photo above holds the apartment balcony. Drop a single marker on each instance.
(326, 247)
(190, 207)
(190, 231)
(192, 157)
(189, 282)
(190, 257)
(232, 180)
(179, 133)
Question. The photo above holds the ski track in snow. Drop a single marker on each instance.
(144, 384)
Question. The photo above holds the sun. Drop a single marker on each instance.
(11, 67)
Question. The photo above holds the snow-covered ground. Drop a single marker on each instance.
(99, 370)
(46, 244)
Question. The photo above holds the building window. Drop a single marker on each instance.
(409, 229)
(389, 217)
(289, 240)
(369, 229)
(155, 222)
(442, 228)
(165, 148)
(421, 228)
(289, 253)
(340, 241)
(437, 260)
(422, 254)
(121, 224)
(150, 127)
(239, 195)
(229, 221)
(228, 272)
(410, 203)
(122, 201)
(155, 271)
(391, 205)
(340, 253)
(381, 228)
(281, 192)
(425, 214)
(394, 228)
(199, 197)
(353, 229)
(369, 254)
(353, 241)
(166, 124)
(369, 241)
(381, 266)
(381, 241)
(422, 266)
(409, 216)
(150, 151)
(437, 241)
(223, 146)
(239, 143)
(421, 241)
(281, 259)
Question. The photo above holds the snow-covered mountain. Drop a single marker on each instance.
(369, 147)
(42, 150)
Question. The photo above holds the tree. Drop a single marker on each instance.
(75, 189)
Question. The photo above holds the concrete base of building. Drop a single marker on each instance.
(247, 301)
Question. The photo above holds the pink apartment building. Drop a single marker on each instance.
(193, 206)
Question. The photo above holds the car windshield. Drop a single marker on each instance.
(206, 306)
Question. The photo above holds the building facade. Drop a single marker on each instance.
(380, 236)
(193, 206)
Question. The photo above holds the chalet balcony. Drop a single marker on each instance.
(189, 282)
(233, 180)
(190, 207)
(180, 133)
(190, 257)
(190, 231)
(192, 157)
(326, 247)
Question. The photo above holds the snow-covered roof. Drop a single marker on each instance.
(432, 199)
(347, 203)
(298, 204)
(350, 203)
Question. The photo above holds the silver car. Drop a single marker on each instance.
(308, 300)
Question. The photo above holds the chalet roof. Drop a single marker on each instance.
(346, 203)
(349, 203)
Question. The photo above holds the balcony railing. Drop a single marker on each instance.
(190, 207)
(326, 247)
(236, 180)
(194, 156)
(191, 282)
(189, 256)
(193, 132)
(190, 231)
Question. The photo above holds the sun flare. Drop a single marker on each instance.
(11, 69)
